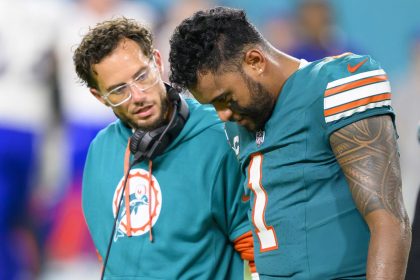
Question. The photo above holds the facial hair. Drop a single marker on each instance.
(261, 105)
(160, 121)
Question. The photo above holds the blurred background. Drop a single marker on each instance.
(47, 119)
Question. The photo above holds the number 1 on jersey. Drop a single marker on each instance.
(265, 233)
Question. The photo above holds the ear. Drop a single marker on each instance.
(98, 96)
(158, 61)
(255, 61)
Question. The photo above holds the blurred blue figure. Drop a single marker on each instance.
(317, 34)
(26, 70)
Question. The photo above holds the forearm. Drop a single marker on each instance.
(388, 248)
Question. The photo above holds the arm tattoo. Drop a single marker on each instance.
(367, 153)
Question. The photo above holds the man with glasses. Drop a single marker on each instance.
(158, 205)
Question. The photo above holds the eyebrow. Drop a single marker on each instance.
(142, 69)
(219, 97)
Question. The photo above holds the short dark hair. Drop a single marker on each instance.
(101, 40)
(208, 39)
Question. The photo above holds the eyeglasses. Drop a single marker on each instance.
(144, 81)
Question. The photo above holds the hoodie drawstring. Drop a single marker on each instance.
(150, 201)
(127, 188)
(127, 193)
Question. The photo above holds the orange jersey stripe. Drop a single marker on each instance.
(357, 103)
(355, 84)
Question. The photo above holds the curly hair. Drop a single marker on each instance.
(208, 39)
(101, 40)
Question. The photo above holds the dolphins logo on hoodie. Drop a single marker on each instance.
(145, 203)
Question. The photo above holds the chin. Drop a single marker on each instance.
(150, 125)
(247, 124)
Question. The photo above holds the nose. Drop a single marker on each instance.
(225, 114)
(137, 94)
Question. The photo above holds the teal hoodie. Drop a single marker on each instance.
(194, 205)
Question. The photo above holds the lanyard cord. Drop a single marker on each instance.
(126, 161)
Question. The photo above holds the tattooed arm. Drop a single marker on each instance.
(367, 153)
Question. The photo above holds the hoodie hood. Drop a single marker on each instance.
(194, 125)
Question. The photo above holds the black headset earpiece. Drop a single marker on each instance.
(149, 144)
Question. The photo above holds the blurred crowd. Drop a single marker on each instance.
(47, 118)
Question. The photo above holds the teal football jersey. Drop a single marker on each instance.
(306, 225)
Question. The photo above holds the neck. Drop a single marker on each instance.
(281, 67)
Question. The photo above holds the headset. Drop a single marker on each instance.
(149, 144)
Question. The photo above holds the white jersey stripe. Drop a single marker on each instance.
(356, 77)
(357, 110)
(356, 94)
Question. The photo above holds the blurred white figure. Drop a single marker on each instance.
(27, 30)
(407, 106)
(26, 37)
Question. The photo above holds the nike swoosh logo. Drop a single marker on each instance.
(245, 198)
(354, 68)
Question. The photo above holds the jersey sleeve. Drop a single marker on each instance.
(228, 209)
(357, 88)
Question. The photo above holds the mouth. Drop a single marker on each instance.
(144, 112)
